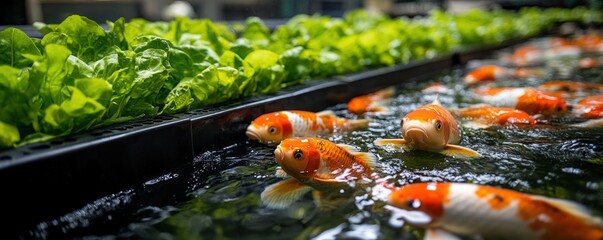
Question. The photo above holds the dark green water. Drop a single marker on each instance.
(197, 203)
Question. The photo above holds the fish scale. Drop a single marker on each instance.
(304, 125)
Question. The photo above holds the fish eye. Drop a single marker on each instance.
(298, 154)
(559, 108)
(413, 203)
(272, 130)
(438, 125)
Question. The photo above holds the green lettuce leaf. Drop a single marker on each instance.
(14, 43)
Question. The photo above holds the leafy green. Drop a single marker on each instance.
(80, 76)
(14, 43)
(268, 71)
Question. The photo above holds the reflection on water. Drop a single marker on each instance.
(551, 160)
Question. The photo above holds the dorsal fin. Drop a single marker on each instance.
(350, 148)
(369, 158)
(436, 101)
(572, 208)
(327, 113)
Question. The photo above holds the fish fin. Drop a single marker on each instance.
(328, 180)
(593, 123)
(436, 101)
(282, 194)
(572, 208)
(326, 203)
(380, 106)
(460, 152)
(349, 148)
(398, 143)
(280, 173)
(327, 113)
(369, 158)
(439, 234)
(357, 124)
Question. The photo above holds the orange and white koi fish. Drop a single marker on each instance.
(527, 54)
(494, 213)
(317, 164)
(435, 87)
(372, 102)
(570, 86)
(589, 107)
(486, 73)
(486, 115)
(431, 128)
(588, 62)
(528, 100)
(271, 128)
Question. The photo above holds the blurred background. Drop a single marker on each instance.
(25, 12)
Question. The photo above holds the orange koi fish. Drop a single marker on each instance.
(485, 115)
(589, 107)
(432, 128)
(528, 54)
(494, 213)
(271, 128)
(570, 86)
(528, 100)
(489, 73)
(590, 42)
(486, 73)
(320, 165)
(372, 102)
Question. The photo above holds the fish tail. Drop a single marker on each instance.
(386, 92)
(369, 158)
(357, 124)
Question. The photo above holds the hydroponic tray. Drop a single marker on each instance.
(47, 179)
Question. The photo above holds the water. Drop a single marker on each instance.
(200, 203)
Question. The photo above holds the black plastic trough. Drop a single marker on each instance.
(42, 181)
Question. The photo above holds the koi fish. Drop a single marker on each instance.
(570, 86)
(271, 128)
(528, 54)
(489, 73)
(588, 62)
(372, 102)
(319, 165)
(435, 87)
(528, 100)
(590, 42)
(589, 107)
(431, 128)
(494, 213)
(486, 115)
(486, 73)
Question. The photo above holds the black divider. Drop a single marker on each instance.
(45, 180)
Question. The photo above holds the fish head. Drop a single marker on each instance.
(299, 157)
(425, 129)
(427, 198)
(270, 128)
